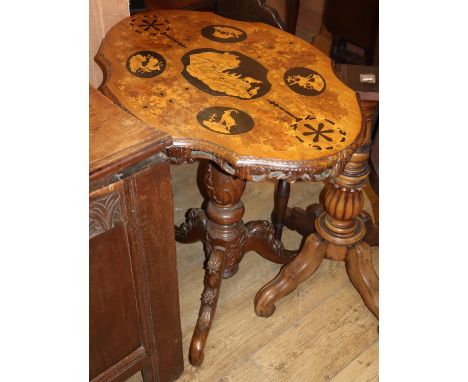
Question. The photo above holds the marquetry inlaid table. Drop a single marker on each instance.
(250, 103)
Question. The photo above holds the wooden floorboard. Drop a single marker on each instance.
(364, 368)
(321, 332)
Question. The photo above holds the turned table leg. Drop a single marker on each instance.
(299, 269)
(362, 274)
(209, 300)
(340, 230)
(280, 204)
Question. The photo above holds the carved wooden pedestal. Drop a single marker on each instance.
(340, 230)
(226, 239)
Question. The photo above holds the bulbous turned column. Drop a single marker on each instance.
(224, 211)
(343, 201)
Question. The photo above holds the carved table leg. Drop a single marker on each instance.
(299, 269)
(340, 231)
(193, 229)
(261, 239)
(303, 222)
(209, 300)
(224, 243)
(363, 276)
(280, 203)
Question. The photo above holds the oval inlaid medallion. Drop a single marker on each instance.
(225, 73)
(223, 33)
(305, 81)
(146, 64)
(225, 120)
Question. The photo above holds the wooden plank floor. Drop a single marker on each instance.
(321, 332)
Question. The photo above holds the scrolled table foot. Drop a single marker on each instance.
(193, 229)
(362, 275)
(197, 346)
(209, 300)
(291, 275)
(261, 239)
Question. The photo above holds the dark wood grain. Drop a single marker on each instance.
(149, 194)
(281, 198)
(111, 296)
(134, 307)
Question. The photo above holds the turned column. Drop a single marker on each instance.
(343, 201)
(224, 242)
(281, 198)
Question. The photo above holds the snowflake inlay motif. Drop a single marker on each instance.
(318, 132)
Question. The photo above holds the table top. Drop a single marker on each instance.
(117, 139)
(246, 93)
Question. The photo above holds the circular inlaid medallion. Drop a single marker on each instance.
(225, 120)
(146, 64)
(319, 134)
(223, 33)
(222, 73)
(304, 81)
(149, 24)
